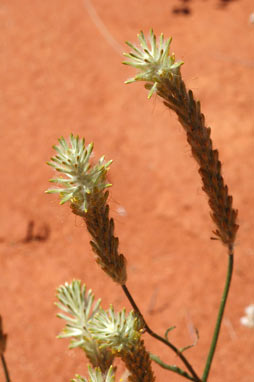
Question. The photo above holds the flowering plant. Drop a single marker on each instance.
(105, 334)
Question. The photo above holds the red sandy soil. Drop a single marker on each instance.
(61, 72)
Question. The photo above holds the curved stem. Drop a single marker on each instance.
(219, 318)
(6, 373)
(159, 338)
(173, 368)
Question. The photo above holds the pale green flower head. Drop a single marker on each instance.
(95, 375)
(115, 330)
(78, 308)
(73, 161)
(153, 63)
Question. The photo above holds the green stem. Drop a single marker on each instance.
(6, 373)
(173, 368)
(219, 318)
(159, 338)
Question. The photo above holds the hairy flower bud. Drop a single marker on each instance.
(81, 179)
(153, 63)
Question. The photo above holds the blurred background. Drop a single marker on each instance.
(61, 72)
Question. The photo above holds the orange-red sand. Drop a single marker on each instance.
(61, 72)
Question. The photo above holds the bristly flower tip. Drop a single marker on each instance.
(153, 63)
(116, 330)
(95, 375)
(78, 309)
(81, 179)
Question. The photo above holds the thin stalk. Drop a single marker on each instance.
(6, 373)
(173, 368)
(219, 318)
(159, 338)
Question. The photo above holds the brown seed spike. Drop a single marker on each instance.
(189, 114)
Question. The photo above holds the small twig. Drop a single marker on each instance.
(3, 342)
(192, 345)
(6, 373)
(173, 368)
(169, 330)
(159, 338)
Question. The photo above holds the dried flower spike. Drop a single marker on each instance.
(104, 244)
(160, 76)
(153, 63)
(81, 178)
(122, 333)
(84, 187)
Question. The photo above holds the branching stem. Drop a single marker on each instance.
(159, 338)
(173, 368)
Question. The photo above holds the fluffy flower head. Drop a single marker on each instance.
(78, 309)
(154, 62)
(81, 178)
(77, 306)
(116, 330)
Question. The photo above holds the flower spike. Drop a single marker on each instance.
(153, 63)
(81, 178)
